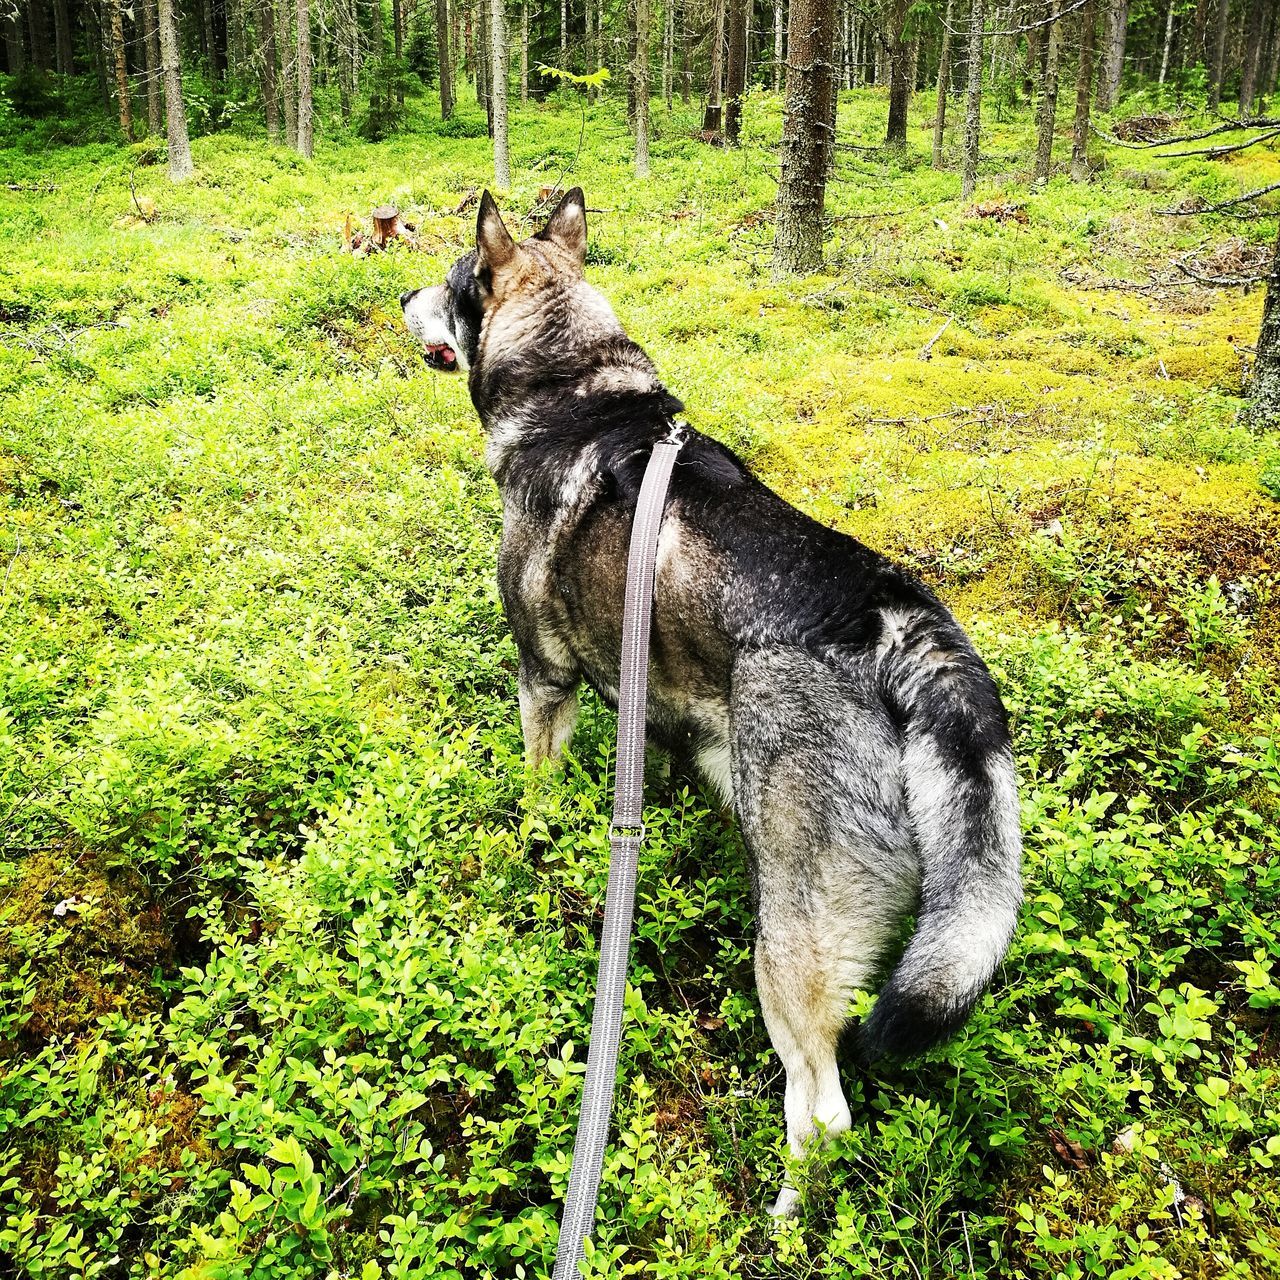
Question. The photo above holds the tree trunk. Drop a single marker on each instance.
(668, 50)
(564, 35)
(397, 43)
(38, 34)
(899, 89)
(343, 48)
(973, 100)
(498, 63)
(1252, 56)
(686, 58)
(1262, 409)
(123, 104)
(1113, 58)
(797, 235)
(777, 45)
(484, 60)
(15, 49)
(712, 116)
(151, 60)
(736, 70)
(267, 40)
(288, 73)
(64, 49)
(442, 56)
(218, 54)
(524, 52)
(1168, 43)
(1084, 96)
(305, 140)
(1219, 56)
(944, 83)
(640, 81)
(1048, 111)
(99, 33)
(180, 166)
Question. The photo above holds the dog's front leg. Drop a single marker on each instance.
(548, 711)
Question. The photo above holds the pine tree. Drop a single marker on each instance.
(797, 236)
(180, 166)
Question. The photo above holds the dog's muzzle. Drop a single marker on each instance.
(424, 317)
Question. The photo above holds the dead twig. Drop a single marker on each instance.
(1221, 282)
(1213, 153)
(1227, 126)
(1224, 205)
(926, 352)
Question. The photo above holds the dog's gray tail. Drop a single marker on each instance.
(962, 803)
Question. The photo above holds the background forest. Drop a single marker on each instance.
(295, 961)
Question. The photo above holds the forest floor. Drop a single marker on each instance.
(296, 963)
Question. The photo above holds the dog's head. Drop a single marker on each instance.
(499, 275)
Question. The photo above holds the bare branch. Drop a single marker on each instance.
(1228, 126)
(1214, 152)
(1226, 204)
(1221, 282)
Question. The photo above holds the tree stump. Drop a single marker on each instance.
(386, 224)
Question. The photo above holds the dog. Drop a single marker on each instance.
(823, 691)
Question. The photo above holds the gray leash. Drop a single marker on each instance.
(626, 833)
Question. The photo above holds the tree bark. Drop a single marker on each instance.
(266, 16)
(524, 52)
(944, 84)
(1252, 56)
(15, 49)
(973, 100)
(180, 166)
(1084, 95)
(899, 89)
(712, 116)
(498, 63)
(777, 45)
(686, 58)
(288, 79)
(797, 235)
(483, 56)
(1219, 56)
(1262, 409)
(1048, 111)
(1112, 69)
(38, 34)
(123, 105)
(668, 50)
(305, 137)
(736, 69)
(564, 35)
(1168, 43)
(442, 56)
(640, 81)
(151, 60)
(64, 48)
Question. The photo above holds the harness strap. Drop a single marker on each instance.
(626, 832)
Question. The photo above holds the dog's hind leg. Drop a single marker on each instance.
(548, 710)
(819, 795)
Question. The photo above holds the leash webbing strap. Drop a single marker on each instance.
(626, 833)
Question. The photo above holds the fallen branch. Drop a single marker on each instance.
(926, 352)
(1221, 282)
(1228, 126)
(1226, 204)
(1212, 153)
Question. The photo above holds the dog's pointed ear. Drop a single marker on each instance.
(567, 226)
(494, 245)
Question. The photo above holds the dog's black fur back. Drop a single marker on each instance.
(825, 691)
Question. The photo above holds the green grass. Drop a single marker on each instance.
(297, 963)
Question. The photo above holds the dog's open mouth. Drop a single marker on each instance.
(441, 356)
